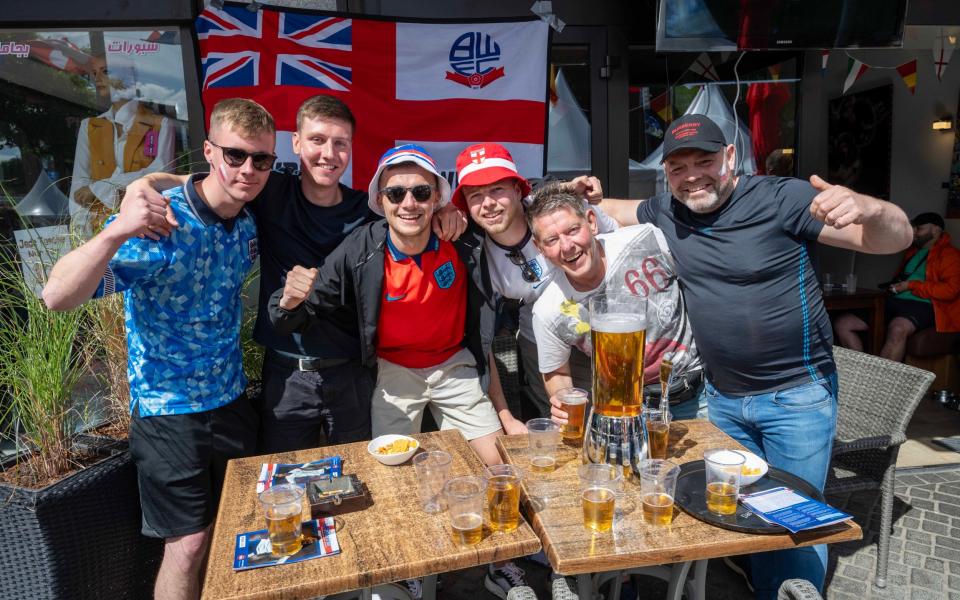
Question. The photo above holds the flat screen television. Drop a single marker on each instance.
(722, 25)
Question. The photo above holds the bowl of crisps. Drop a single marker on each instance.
(753, 468)
(392, 449)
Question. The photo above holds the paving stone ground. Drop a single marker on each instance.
(924, 550)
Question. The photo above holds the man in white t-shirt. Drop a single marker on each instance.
(632, 260)
(493, 192)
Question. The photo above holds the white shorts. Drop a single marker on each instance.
(451, 389)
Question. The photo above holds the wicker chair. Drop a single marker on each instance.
(877, 399)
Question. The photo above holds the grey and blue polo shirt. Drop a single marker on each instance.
(182, 307)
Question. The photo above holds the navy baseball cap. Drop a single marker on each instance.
(929, 217)
(693, 131)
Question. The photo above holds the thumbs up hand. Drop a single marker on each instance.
(838, 206)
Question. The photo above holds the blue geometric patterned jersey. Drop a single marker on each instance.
(182, 308)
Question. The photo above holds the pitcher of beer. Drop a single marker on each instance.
(616, 433)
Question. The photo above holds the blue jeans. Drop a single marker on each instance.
(694, 408)
(792, 430)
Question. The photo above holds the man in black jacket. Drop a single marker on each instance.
(425, 308)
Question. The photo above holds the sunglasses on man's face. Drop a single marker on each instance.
(396, 193)
(526, 271)
(235, 157)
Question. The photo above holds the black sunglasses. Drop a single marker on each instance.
(235, 157)
(396, 193)
(526, 271)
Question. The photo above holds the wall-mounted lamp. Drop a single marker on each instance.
(943, 124)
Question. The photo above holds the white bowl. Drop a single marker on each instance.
(391, 459)
(752, 462)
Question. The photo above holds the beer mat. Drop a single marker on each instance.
(691, 498)
(253, 549)
(272, 474)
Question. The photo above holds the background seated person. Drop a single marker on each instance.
(925, 292)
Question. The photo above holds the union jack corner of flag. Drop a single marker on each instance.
(240, 46)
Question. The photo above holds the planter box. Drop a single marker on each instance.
(79, 537)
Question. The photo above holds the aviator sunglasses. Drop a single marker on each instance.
(526, 271)
(235, 157)
(396, 193)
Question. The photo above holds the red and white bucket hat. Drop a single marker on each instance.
(483, 164)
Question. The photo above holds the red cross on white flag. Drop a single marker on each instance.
(941, 55)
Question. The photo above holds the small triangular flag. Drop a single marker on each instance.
(857, 69)
(703, 66)
(908, 71)
(941, 56)
(824, 57)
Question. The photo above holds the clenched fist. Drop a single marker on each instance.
(298, 287)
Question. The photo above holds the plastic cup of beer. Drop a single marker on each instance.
(723, 469)
(544, 436)
(573, 401)
(599, 484)
(283, 507)
(503, 497)
(432, 469)
(658, 484)
(618, 328)
(465, 496)
(658, 432)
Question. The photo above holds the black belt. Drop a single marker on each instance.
(685, 387)
(306, 363)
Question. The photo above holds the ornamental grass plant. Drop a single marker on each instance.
(42, 359)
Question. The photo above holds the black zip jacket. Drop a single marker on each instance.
(352, 276)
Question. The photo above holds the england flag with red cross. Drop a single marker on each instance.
(441, 85)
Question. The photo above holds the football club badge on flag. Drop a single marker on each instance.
(473, 58)
(445, 275)
(441, 85)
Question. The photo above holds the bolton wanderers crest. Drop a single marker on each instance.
(445, 274)
(474, 57)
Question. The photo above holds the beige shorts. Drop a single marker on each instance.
(451, 390)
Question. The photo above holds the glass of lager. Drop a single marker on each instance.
(465, 496)
(503, 497)
(723, 480)
(544, 436)
(618, 326)
(658, 431)
(432, 469)
(283, 507)
(599, 485)
(573, 401)
(658, 483)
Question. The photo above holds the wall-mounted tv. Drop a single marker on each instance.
(713, 25)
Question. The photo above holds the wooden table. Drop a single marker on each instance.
(392, 540)
(837, 300)
(552, 503)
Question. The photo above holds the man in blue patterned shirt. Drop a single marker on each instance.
(181, 276)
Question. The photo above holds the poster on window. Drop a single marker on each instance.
(84, 113)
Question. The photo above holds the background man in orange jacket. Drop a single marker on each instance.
(925, 291)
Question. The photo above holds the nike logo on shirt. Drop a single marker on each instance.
(391, 298)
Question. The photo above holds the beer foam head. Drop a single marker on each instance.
(617, 323)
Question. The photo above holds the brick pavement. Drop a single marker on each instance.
(924, 550)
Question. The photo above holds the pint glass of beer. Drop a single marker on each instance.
(599, 484)
(465, 496)
(573, 401)
(503, 497)
(658, 483)
(723, 470)
(283, 507)
(618, 324)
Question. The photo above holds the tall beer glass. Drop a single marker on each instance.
(618, 324)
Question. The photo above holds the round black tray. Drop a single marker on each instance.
(690, 497)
